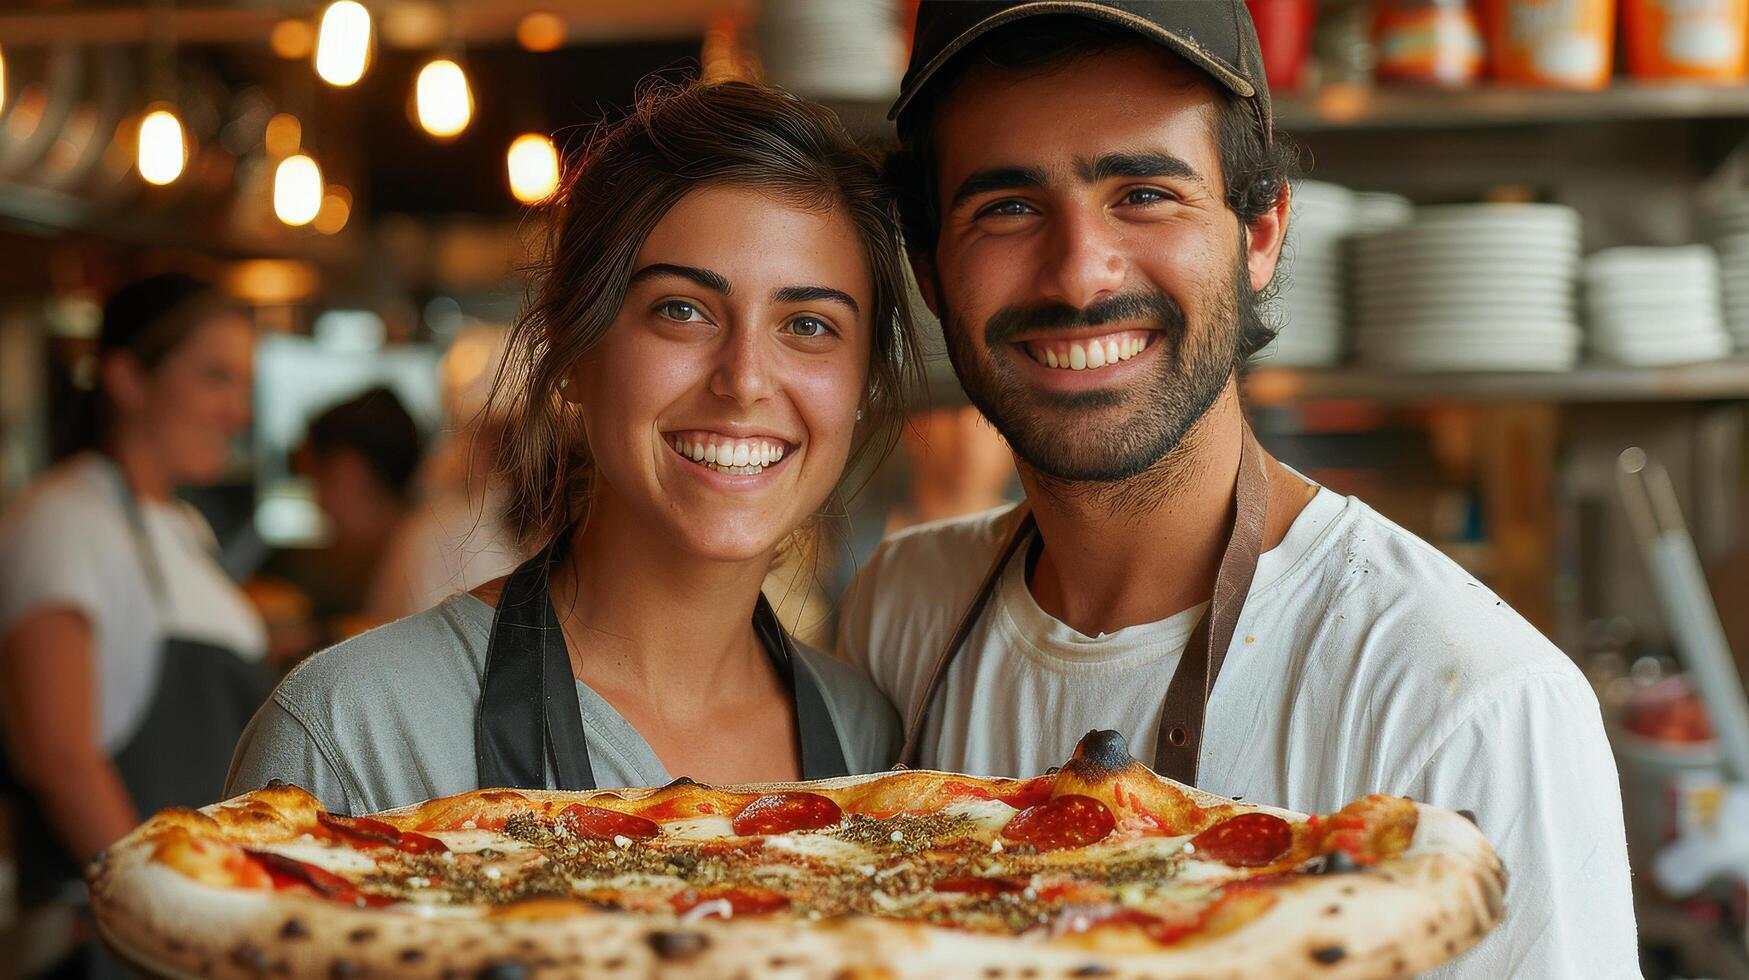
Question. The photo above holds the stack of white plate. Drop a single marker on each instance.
(1654, 306)
(1730, 235)
(1377, 211)
(1470, 287)
(832, 49)
(1308, 306)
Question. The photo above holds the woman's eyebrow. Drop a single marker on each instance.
(703, 277)
(813, 294)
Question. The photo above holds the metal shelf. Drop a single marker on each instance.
(1708, 381)
(1348, 107)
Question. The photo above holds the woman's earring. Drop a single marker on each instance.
(563, 382)
(859, 415)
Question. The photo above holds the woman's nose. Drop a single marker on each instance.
(743, 369)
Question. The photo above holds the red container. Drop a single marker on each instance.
(1284, 29)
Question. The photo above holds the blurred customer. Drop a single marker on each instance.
(453, 539)
(959, 465)
(129, 662)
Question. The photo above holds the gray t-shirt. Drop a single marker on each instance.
(387, 718)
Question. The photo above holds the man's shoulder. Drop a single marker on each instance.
(1400, 611)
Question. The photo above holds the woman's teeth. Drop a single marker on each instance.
(1095, 352)
(742, 457)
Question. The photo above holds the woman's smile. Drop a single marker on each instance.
(731, 455)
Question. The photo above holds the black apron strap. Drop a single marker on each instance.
(530, 723)
(822, 751)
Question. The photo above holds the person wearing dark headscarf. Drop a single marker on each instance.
(129, 661)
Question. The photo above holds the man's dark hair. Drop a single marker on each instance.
(376, 426)
(1256, 171)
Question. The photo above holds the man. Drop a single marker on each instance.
(1094, 202)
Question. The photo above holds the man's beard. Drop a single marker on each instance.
(1051, 432)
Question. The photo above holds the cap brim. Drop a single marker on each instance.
(1182, 46)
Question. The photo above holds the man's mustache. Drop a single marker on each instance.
(1009, 322)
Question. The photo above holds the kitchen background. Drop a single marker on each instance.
(1521, 253)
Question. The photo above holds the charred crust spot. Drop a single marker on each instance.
(294, 929)
(502, 970)
(1469, 815)
(525, 944)
(345, 969)
(1101, 752)
(1329, 954)
(411, 954)
(682, 781)
(276, 783)
(363, 934)
(1091, 969)
(250, 957)
(613, 963)
(673, 944)
(1450, 946)
(1348, 890)
(174, 945)
(1028, 973)
(778, 962)
(1433, 928)
(1399, 965)
(992, 971)
(1332, 910)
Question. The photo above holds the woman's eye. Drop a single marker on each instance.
(1145, 196)
(808, 326)
(680, 310)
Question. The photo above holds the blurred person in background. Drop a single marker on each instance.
(453, 537)
(958, 465)
(129, 661)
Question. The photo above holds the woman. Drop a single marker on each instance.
(724, 303)
(128, 660)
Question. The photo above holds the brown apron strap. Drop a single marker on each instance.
(1024, 525)
(1179, 745)
(1181, 722)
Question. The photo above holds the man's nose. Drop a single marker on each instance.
(1083, 263)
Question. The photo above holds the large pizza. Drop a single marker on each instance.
(1099, 869)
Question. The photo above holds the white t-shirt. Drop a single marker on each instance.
(67, 543)
(1364, 662)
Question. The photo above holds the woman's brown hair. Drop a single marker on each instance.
(675, 140)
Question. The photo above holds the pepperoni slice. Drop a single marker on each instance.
(292, 873)
(982, 887)
(363, 832)
(1071, 820)
(593, 821)
(1249, 840)
(781, 813)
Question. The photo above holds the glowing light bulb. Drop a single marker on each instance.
(534, 168)
(283, 136)
(162, 153)
(297, 190)
(444, 101)
(336, 208)
(540, 31)
(343, 43)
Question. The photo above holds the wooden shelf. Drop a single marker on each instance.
(1348, 107)
(1709, 381)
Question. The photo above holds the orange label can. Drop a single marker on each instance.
(1552, 43)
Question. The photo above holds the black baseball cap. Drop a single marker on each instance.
(1214, 35)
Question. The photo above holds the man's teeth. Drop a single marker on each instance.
(742, 457)
(1080, 355)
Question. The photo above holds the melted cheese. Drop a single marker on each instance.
(337, 858)
(700, 828)
(469, 841)
(831, 850)
(990, 815)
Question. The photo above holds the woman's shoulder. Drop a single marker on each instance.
(69, 499)
(439, 651)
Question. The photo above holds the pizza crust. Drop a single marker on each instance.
(1397, 918)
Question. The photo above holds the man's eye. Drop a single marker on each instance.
(809, 326)
(1145, 196)
(1005, 209)
(680, 310)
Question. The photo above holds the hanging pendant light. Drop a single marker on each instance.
(343, 43)
(297, 190)
(534, 168)
(162, 151)
(443, 99)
